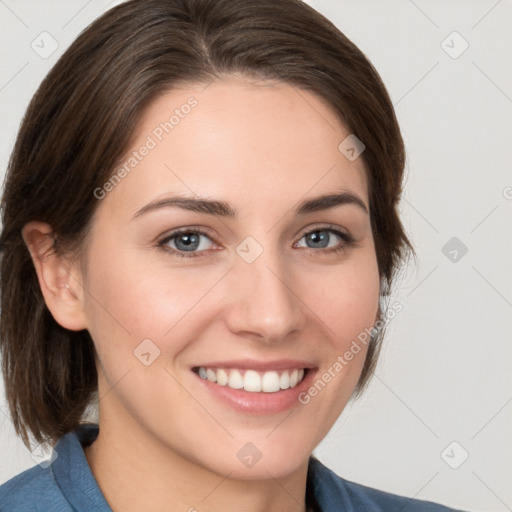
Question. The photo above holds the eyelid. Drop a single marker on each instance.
(325, 226)
(187, 229)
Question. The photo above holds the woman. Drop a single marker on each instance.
(200, 230)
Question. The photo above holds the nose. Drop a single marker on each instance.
(264, 299)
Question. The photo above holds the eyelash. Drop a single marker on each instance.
(348, 241)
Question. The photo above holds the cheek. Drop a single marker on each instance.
(131, 298)
(346, 299)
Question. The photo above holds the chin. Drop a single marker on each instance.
(266, 457)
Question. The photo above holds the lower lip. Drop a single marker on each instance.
(259, 403)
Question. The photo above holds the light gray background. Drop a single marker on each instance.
(443, 372)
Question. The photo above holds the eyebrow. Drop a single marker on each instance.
(223, 209)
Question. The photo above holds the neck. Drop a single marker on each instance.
(137, 472)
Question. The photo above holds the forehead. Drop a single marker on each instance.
(240, 140)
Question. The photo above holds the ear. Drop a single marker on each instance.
(59, 278)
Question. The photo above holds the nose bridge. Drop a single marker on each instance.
(263, 299)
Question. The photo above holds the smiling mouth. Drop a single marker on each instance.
(251, 380)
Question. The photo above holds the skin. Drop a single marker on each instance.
(262, 147)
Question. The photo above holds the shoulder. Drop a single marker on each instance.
(63, 483)
(331, 491)
(384, 501)
(33, 490)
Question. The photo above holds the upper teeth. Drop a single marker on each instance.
(250, 380)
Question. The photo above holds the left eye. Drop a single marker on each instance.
(320, 238)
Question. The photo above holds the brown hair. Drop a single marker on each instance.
(80, 122)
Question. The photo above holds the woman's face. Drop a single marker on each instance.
(257, 287)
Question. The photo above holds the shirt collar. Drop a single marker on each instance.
(73, 473)
(325, 489)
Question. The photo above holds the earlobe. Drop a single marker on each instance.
(59, 280)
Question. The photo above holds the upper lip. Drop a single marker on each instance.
(251, 364)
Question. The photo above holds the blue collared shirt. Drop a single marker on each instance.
(68, 485)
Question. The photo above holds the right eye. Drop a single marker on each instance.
(185, 243)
